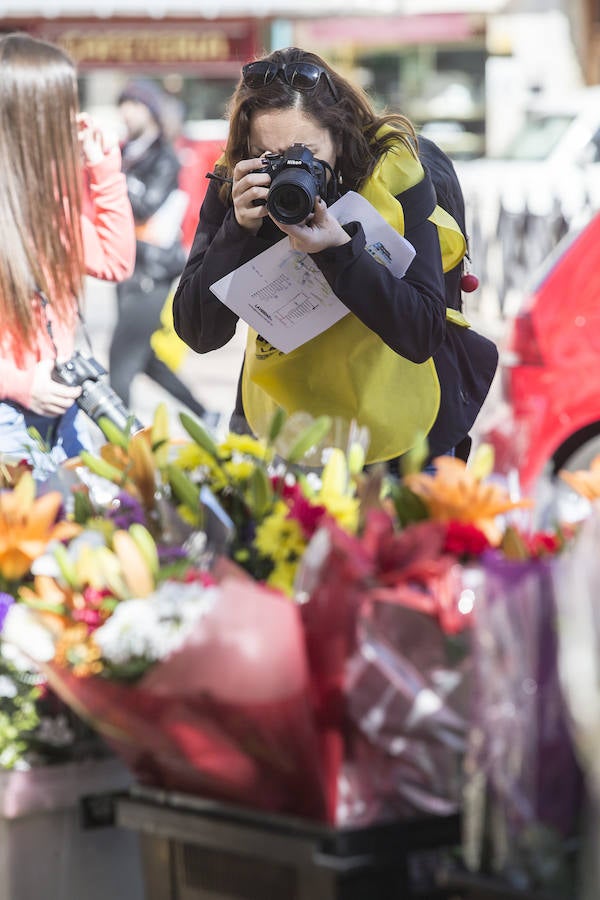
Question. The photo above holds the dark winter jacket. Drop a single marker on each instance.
(151, 178)
(410, 315)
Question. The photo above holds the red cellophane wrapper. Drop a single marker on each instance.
(226, 716)
(388, 660)
(342, 709)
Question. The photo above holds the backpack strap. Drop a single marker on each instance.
(418, 202)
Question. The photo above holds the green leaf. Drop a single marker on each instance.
(146, 545)
(260, 492)
(112, 433)
(356, 459)
(99, 466)
(513, 546)
(184, 488)
(199, 434)
(34, 433)
(66, 565)
(45, 606)
(311, 437)
(409, 506)
(83, 509)
(413, 460)
(277, 423)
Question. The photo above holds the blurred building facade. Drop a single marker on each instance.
(463, 71)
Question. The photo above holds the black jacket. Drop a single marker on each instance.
(409, 316)
(151, 177)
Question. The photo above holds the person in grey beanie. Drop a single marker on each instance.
(151, 168)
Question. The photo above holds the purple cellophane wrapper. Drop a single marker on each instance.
(520, 750)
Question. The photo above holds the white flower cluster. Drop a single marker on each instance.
(153, 627)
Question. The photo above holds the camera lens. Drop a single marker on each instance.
(98, 399)
(292, 196)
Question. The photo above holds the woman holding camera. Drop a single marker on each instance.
(64, 213)
(381, 365)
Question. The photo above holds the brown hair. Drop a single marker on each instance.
(40, 189)
(350, 118)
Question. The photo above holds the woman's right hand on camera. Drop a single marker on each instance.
(50, 397)
(250, 186)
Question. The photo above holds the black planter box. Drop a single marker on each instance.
(196, 849)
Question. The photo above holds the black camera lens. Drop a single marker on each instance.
(292, 196)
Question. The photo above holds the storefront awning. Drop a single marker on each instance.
(217, 8)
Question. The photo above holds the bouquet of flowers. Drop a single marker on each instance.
(36, 728)
(198, 681)
(240, 626)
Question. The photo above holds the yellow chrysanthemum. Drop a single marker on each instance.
(282, 577)
(280, 538)
(191, 456)
(344, 509)
(27, 525)
(245, 444)
(585, 482)
(453, 493)
(239, 471)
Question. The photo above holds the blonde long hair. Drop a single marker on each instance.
(40, 182)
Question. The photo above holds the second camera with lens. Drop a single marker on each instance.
(297, 179)
(97, 398)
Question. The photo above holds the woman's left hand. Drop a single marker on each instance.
(319, 231)
(94, 143)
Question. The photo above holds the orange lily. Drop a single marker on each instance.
(137, 463)
(134, 461)
(27, 525)
(584, 482)
(454, 493)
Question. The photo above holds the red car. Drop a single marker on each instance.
(551, 368)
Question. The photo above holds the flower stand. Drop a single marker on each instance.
(44, 851)
(197, 849)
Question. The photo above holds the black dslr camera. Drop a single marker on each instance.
(297, 179)
(97, 398)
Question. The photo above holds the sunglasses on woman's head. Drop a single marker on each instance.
(302, 76)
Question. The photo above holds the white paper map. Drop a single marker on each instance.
(282, 294)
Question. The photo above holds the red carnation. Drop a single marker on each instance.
(465, 540)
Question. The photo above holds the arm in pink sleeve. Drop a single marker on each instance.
(107, 223)
(15, 384)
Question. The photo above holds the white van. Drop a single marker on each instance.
(521, 203)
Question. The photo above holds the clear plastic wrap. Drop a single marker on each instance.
(523, 786)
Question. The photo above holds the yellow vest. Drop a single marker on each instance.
(348, 372)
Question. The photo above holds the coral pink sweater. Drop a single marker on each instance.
(109, 253)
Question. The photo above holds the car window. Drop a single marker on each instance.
(543, 270)
(537, 138)
(592, 151)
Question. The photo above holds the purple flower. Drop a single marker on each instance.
(126, 510)
(6, 601)
(169, 555)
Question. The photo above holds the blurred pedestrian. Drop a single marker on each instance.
(64, 213)
(151, 169)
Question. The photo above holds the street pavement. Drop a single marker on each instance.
(212, 377)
